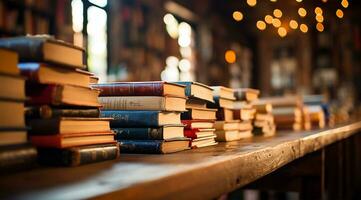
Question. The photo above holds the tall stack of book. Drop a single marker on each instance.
(199, 119)
(15, 152)
(227, 129)
(287, 112)
(244, 111)
(146, 115)
(62, 112)
(264, 121)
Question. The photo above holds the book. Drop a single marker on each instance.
(72, 140)
(226, 136)
(159, 133)
(262, 107)
(65, 125)
(288, 101)
(203, 142)
(223, 92)
(12, 114)
(245, 125)
(124, 118)
(244, 114)
(245, 134)
(17, 157)
(224, 114)
(76, 156)
(198, 133)
(45, 49)
(12, 87)
(221, 102)
(8, 62)
(237, 105)
(151, 88)
(227, 125)
(246, 94)
(49, 74)
(154, 146)
(167, 103)
(265, 117)
(197, 90)
(13, 136)
(47, 112)
(192, 124)
(196, 103)
(94, 79)
(61, 95)
(197, 113)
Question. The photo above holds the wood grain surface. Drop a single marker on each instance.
(195, 174)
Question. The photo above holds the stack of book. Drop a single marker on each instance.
(146, 115)
(288, 112)
(199, 119)
(227, 129)
(244, 111)
(264, 121)
(62, 109)
(317, 117)
(15, 152)
(313, 103)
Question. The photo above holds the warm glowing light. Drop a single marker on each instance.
(282, 31)
(319, 18)
(304, 28)
(276, 22)
(277, 13)
(251, 2)
(293, 24)
(320, 27)
(344, 3)
(230, 56)
(237, 15)
(302, 12)
(324, 1)
(268, 19)
(299, 1)
(318, 11)
(261, 25)
(339, 13)
(273, 0)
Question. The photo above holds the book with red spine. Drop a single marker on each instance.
(198, 133)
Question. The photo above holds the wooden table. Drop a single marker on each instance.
(200, 174)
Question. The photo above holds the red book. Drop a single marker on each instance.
(151, 88)
(198, 133)
(192, 124)
(61, 95)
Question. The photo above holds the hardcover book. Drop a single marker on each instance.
(223, 92)
(198, 133)
(8, 62)
(227, 125)
(76, 156)
(124, 118)
(167, 103)
(160, 133)
(151, 88)
(12, 114)
(45, 49)
(198, 90)
(154, 146)
(12, 136)
(12, 87)
(221, 102)
(191, 124)
(197, 113)
(246, 94)
(224, 114)
(226, 136)
(203, 142)
(17, 157)
(47, 112)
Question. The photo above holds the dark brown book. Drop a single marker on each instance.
(151, 88)
(68, 125)
(76, 156)
(47, 112)
(45, 49)
(17, 157)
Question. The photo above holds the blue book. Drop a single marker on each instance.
(197, 90)
(154, 146)
(139, 118)
(161, 133)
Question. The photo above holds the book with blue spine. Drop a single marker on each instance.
(126, 118)
(154, 146)
(197, 90)
(146, 133)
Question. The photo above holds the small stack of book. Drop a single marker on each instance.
(313, 103)
(199, 119)
(146, 115)
(15, 151)
(287, 112)
(317, 116)
(264, 121)
(227, 129)
(244, 111)
(62, 109)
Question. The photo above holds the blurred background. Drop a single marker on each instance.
(278, 46)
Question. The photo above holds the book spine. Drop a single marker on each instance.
(131, 118)
(17, 158)
(40, 126)
(138, 133)
(28, 50)
(186, 115)
(78, 156)
(132, 103)
(132, 89)
(220, 114)
(187, 123)
(41, 94)
(141, 146)
(47, 112)
(191, 133)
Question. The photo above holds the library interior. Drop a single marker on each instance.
(180, 99)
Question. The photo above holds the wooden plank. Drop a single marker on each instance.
(201, 173)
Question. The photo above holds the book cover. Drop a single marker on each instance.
(148, 146)
(138, 133)
(47, 112)
(78, 155)
(17, 157)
